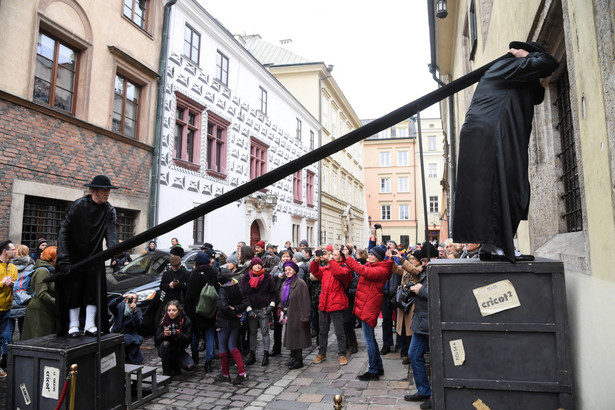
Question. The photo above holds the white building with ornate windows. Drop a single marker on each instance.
(227, 120)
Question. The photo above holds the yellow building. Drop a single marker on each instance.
(571, 151)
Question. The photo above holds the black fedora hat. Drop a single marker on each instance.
(527, 46)
(101, 181)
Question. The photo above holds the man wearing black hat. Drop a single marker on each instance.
(492, 193)
(88, 221)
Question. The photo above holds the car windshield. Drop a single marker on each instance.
(148, 264)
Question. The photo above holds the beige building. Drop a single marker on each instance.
(572, 216)
(78, 96)
(342, 210)
(433, 165)
(391, 177)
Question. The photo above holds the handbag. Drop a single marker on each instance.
(404, 298)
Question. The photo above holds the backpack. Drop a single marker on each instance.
(21, 287)
(208, 301)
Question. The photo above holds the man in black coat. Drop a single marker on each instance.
(88, 221)
(492, 193)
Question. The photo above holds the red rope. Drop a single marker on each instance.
(63, 395)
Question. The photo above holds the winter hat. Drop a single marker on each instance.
(393, 242)
(260, 243)
(256, 261)
(428, 250)
(292, 265)
(202, 259)
(304, 242)
(207, 245)
(40, 242)
(232, 259)
(329, 248)
(175, 260)
(225, 275)
(271, 246)
(177, 250)
(378, 251)
(299, 257)
(416, 254)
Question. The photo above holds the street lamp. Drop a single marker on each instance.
(441, 11)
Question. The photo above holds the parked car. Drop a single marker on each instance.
(142, 276)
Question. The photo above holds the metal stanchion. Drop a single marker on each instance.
(73, 384)
(337, 402)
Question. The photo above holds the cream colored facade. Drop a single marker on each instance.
(433, 163)
(391, 183)
(342, 213)
(579, 34)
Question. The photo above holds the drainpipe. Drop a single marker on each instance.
(162, 81)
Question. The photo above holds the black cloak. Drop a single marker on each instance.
(81, 234)
(492, 193)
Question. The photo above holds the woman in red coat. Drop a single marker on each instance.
(368, 302)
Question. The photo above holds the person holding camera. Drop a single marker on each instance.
(127, 318)
(172, 338)
(334, 277)
(368, 301)
(174, 281)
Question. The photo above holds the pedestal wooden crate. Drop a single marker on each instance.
(38, 369)
(516, 358)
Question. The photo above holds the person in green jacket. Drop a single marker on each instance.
(40, 313)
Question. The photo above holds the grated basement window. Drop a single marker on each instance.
(570, 171)
(41, 219)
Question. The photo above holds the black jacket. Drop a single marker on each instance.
(198, 279)
(179, 291)
(230, 296)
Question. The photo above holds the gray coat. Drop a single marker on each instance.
(297, 334)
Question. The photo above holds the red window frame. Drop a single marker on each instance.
(258, 158)
(217, 132)
(298, 187)
(309, 188)
(187, 141)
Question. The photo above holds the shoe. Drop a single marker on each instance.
(406, 360)
(290, 362)
(385, 350)
(240, 378)
(367, 376)
(354, 349)
(2, 373)
(222, 378)
(265, 361)
(251, 358)
(91, 331)
(343, 361)
(297, 364)
(314, 333)
(523, 258)
(275, 352)
(74, 332)
(195, 357)
(208, 367)
(426, 405)
(320, 358)
(381, 372)
(415, 397)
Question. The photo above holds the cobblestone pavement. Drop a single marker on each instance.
(275, 387)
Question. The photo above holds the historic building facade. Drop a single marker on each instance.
(227, 120)
(77, 99)
(571, 152)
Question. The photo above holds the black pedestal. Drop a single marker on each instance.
(38, 368)
(509, 321)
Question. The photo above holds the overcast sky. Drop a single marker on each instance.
(379, 49)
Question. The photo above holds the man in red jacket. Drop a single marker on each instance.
(368, 302)
(334, 279)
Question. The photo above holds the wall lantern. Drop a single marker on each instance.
(441, 11)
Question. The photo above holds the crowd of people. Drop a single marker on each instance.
(294, 295)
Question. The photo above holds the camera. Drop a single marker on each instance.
(130, 300)
(377, 226)
(319, 252)
(174, 328)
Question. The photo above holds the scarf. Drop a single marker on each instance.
(256, 278)
(127, 310)
(286, 290)
(167, 321)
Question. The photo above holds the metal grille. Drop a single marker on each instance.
(570, 171)
(125, 223)
(41, 219)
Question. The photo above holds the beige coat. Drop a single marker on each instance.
(409, 273)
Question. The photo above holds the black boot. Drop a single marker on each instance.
(251, 358)
(291, 361)
(298, 363)
(195, 357)
(265, 361)
(208, 367)
(275, 351)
